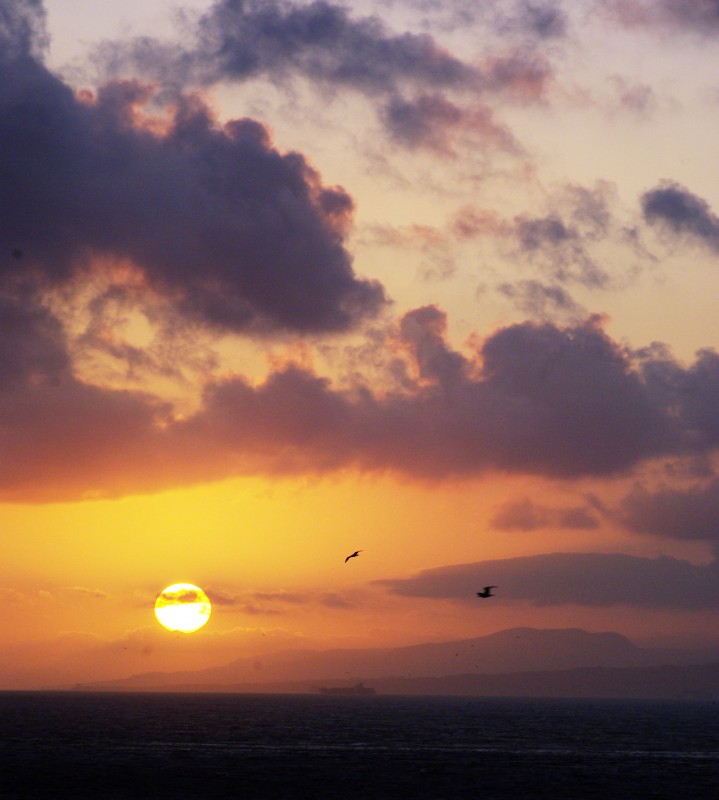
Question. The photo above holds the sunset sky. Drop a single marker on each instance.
(436, 280)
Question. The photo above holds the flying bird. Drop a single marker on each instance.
(486, 592)
(353, 555)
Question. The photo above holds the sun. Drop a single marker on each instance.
(183, 607)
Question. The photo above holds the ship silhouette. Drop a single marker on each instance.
(357, 689)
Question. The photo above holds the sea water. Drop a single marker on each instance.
(279, 747)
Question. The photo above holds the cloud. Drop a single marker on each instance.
(235, 40)
(544, 20)
(419, 87)
(696, 16)
(22, 28)
(534, 399)
(541, 301)
(681, 213)
(637, 98)
(84, 592)
(560, 244)
(180, 596)
(233, 233)
(546, 400)
(525, 515)
(684, 513)
(321, 40)
(432, 122)
(585, 579)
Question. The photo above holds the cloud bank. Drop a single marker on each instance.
(534, 399)
(584, 579)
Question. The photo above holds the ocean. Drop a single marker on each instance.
(281, 747)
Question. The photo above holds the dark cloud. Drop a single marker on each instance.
(682, 213)
(234, 233)
(63, 438)
(33, 349)
(321, 40)
(241, 39)
(534, 399)
(525, 515)
(680, 513)
(585, 579)
(405, 73)
(690, 394)
(22, 28)
(547, 400)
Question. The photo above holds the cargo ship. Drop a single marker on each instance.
(357, 689)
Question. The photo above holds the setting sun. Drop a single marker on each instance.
(183, 607)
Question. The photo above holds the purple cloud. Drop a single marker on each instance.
(585, 579)
(682, 213)
(525, 515)
(684, 513)
(237, 235)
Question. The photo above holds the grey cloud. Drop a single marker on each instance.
(541, 301)
(585, 579)
(236, 234)
(545, 20)
(525, 515)
(239, 39)
(321, 40)
(32, 343)
(695, 16)
(680, 513)
(560, 241)
(561, 250)
(682, 213)
(432, 121)
(405, 73)
(550, 401)
(22, 28)
(535, 399)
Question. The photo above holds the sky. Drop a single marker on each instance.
(284, 280)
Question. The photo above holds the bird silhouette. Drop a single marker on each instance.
(353, 555)
(486, 592)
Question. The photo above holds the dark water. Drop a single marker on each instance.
(312, 747)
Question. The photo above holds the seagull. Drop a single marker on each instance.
(486, 592)
(353, 555)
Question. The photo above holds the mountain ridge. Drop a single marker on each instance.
(513, 650)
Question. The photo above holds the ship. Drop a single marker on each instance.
(357, 689)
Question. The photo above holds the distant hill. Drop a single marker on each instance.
(686, 682)
(698, 682)
(469, 662)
